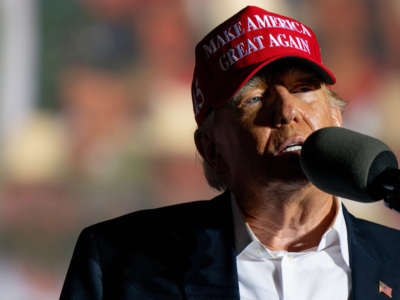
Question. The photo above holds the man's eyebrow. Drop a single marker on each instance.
(257, 82)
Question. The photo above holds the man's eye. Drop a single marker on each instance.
(302, 89)
(254, 99)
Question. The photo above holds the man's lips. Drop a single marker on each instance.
(290, 145)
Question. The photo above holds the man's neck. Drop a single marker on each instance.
(292, 220)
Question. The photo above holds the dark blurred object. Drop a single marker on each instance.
(104, 45)
(74, 36)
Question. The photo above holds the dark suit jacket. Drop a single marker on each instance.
(187, 251)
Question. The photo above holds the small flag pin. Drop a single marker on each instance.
(385, 289)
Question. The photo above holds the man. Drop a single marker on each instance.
(259, 90)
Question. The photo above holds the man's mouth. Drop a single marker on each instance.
(291, 145)
(294, 147)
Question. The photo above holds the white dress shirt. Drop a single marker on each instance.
(319, 273)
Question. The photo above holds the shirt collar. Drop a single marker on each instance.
(245, 237)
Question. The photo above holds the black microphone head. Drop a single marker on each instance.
(345, 163)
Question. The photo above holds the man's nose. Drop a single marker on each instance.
(285, 110)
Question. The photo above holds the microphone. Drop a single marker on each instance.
(351, 165)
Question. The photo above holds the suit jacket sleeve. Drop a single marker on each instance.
(84, 277)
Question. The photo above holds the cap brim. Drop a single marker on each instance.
(244, 74)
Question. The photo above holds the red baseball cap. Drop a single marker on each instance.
(234, 51)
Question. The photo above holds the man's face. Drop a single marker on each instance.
(259, 137)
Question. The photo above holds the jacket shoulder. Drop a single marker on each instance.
(160, 218)
(378, 230)
(380, 240)
(152, 237)
(172, 225)
(142, 253)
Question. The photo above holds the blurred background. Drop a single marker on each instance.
(96, 116)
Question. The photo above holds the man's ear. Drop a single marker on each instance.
(207, 148)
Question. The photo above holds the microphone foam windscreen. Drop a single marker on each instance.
(343, 162)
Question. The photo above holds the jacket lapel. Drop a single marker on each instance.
(211, 272)
(368, 263)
